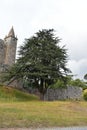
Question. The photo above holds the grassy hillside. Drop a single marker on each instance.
(11, 94)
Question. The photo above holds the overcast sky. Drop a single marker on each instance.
(67, 17)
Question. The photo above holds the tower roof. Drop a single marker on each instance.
(11, 33)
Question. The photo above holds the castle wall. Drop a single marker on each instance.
(71, 92)
(53, 94)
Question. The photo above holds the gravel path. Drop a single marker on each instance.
(56, 128)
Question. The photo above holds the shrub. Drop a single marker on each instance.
(85, 94)
(58, 84)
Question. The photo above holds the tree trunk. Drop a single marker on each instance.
(41, 96)
(42, 89)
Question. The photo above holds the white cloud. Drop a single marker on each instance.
(79, 68)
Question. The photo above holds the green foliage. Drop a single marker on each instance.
(78, 83)
(85, 76)
(68, 80)
(85, 94)
(58, 84)
(41, 60)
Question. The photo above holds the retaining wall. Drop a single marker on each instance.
(71, 92)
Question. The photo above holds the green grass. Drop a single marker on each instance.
(11, 94)
(43, 114)
(19, 109)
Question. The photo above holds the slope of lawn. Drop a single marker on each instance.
(11, 94)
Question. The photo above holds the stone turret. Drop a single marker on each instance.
(11, 43)
(2, 51)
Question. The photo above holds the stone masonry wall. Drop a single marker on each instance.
(11, 44)
(2, 51)
(71, 92)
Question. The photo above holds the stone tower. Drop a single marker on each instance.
(2, 52)
(10, 42)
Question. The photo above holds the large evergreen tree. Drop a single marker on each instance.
(41, 60)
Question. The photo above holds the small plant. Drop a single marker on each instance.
(85, 94)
